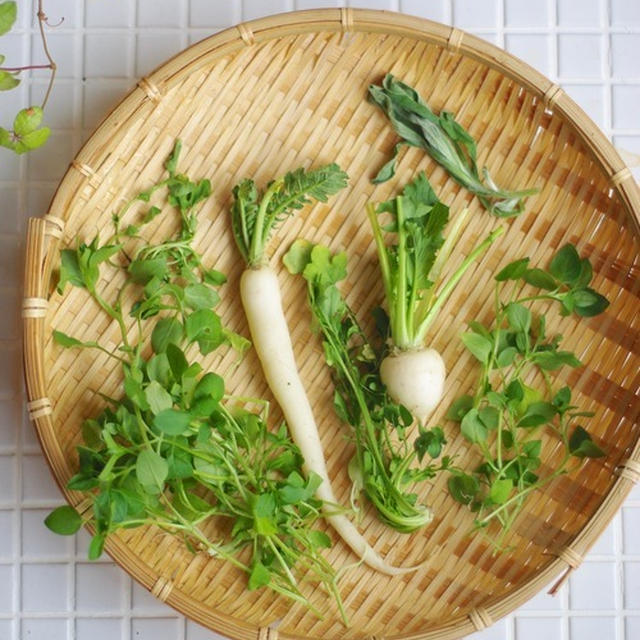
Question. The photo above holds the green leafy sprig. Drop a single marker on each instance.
(175, 451)
(254, 215)
(411, 265)
(445, 140)
(506, 417)
(383, 466)
(27, 133)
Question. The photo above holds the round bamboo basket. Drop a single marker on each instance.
(289, 90)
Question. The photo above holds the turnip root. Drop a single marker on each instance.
(414, 379)
(414, 375)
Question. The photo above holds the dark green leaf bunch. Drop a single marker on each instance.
(174, 451)
(168, 278)
(255, 214)
(27, 133)
(445, 140)
(506, 417)
(384, 459)
(171, 454)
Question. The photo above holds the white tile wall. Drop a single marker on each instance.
(48, 590)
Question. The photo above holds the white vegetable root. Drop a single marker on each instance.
(260, 294)
(415, 379)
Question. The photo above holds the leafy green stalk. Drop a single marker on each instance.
(384, 464)
(506, 417)
(254, 215)
(446, 141)
(175, 451)
(411, 267)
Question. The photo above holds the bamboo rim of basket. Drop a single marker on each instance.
(44, 235)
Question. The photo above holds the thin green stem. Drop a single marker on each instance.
(446, 290)
(400, 337)
(261, 230)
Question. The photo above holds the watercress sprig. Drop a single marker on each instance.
(384, 463)
(506, 417)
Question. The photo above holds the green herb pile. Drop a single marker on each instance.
(383, 464)
(174, 451)
(446, 141)
(506, 417)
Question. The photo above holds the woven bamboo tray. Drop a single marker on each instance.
(289, 90)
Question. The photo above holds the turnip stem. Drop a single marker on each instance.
(399, 327)
(446, 290)
(383, 259)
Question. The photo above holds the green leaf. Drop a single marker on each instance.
(506, 357)
(158, 369)
(490, 417)
(211, 385)
(541, 279)
(513, 271)
(157, 397)
(143, 270)
(566, 265)
(8, 14)
(562, 399)
(500, 490)
(32, 140)
(152, 213)
(479, 346)
(581, 445)
(27, 120)
(536, 414)
(204, 327)
(263, 508)
(65, 341)
(96, 546)
(463, 488)
(214, 277)
(459, 408)
(472, 427)
(430, 441)
(589, 303)
(167, 331)
(151, 470)
(200, 296)
(177, 361)
(171, 163)
(519, 317)
(319, 539)
(388, 169)
(8, 81)
(172, 421)
(260, 576)
(551, 360)
(69, 270)
(64, 520)
(298, 256)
